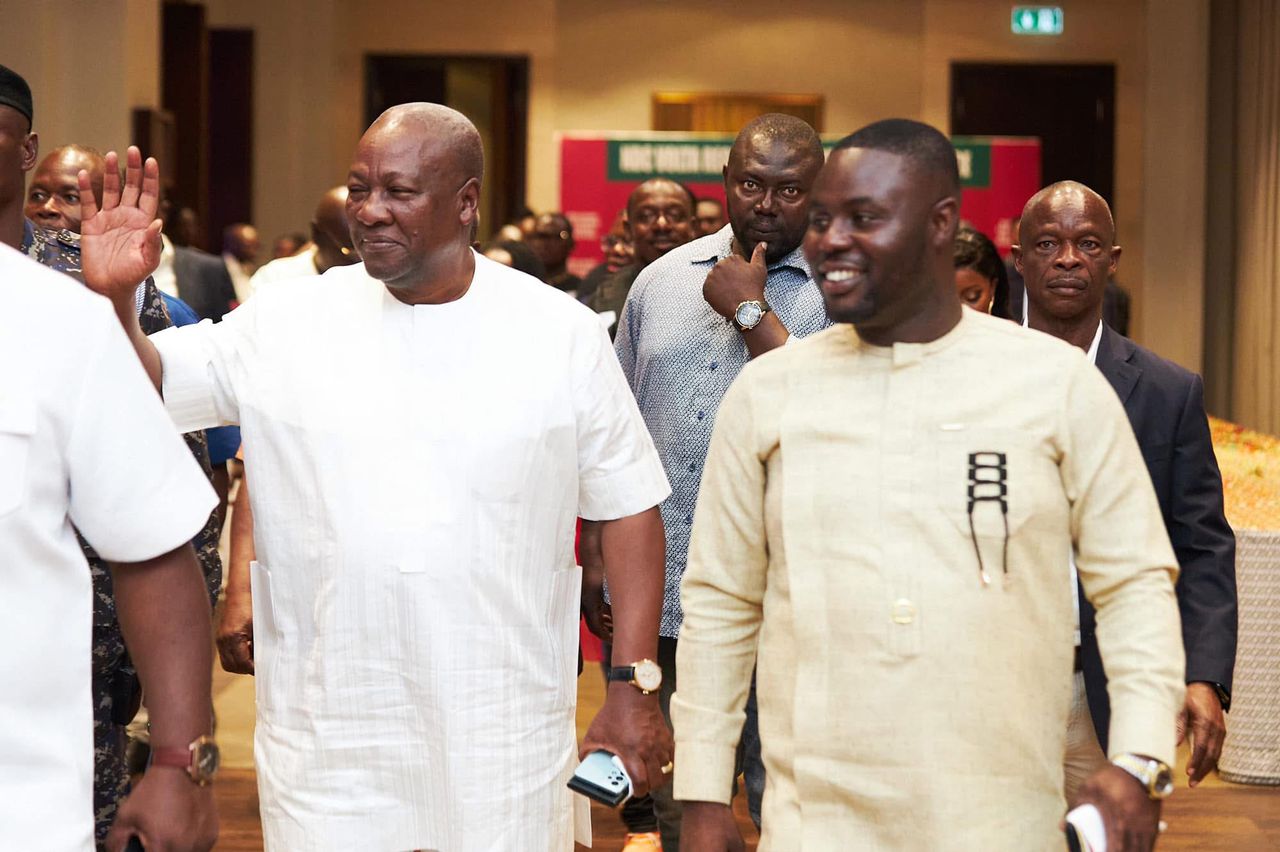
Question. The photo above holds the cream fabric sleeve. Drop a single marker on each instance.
(1126, 565)
(722, 594)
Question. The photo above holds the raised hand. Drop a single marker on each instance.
(120, 241)
(735, 280)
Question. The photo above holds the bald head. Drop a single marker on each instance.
(413, 199)
(330, 233)
(664, 185)
(659, 218)
(1066, 252)
(776, 128)
(446, 130)
(331, 211)
(1064, 194)
(53, 199)
(771, 168)
(241, 241)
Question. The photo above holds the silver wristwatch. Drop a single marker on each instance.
(749, 314)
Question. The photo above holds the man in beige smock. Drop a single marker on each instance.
(882, 517)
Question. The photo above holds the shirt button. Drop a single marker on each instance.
(904, 611)
(688, 519)
(713, 365)
(701, 414)
(692, 468)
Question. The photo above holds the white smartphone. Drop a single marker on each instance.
(601, 776)
(1085, 831)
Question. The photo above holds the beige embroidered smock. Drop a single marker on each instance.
(905, 704)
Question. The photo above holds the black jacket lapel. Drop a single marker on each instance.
(1114, 353)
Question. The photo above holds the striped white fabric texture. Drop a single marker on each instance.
(417, 472)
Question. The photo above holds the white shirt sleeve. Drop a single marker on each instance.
(200, 364)
(619, 472)
(135, 490)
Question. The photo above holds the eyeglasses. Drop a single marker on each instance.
(988, 483)
(650, 216)
(609, 243)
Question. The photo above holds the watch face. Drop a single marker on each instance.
(1163, 784)
(749, 314)
(206, 761)
(648, 675)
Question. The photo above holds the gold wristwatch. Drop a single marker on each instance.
(749, 314)
(644, 675)
(1156, 776)
(200, 759)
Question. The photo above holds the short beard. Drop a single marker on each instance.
(865, 309)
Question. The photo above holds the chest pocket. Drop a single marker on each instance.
(17, 426)
(984, 483)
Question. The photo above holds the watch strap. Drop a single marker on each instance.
(1224, 695)
(179, 758)
(199, 759)
(1145, 770)
(625, 674)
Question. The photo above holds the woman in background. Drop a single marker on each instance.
(981, 279)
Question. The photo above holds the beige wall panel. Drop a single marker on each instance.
(297, 153)
(85, 96)
(595, 65)
(862, 56)
(309, 110)
(1111, 31)
(1174, 199)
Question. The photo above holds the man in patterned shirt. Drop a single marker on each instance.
(693, 319)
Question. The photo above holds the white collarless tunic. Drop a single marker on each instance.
(83, 442)
(417, 472)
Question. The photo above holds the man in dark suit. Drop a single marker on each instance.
(203, 282)
(1067, 255)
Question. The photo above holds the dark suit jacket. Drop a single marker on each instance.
(1165, 404)
(203, 282)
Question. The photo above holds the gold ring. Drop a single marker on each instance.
(668, 768)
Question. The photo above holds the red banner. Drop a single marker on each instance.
(599, 170)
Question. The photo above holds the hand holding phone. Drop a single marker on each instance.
(1085, 831)
(601, 776)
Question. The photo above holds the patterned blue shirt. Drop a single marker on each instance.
(680, 357)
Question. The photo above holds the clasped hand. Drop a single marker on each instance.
(631, 726)
(1130, 815)
(168, 812)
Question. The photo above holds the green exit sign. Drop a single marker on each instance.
(1036, 20)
